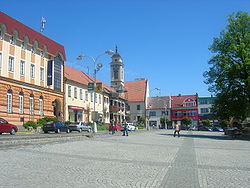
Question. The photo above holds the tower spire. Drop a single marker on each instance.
(116, 51)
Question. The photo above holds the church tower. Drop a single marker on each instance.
(117, 72)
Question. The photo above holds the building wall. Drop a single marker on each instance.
(85, 103)
(134, 113)
(14, 81)
(158, 116)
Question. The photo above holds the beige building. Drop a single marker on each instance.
(31, 73)
(79, 102)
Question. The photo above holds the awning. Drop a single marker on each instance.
(76, 108)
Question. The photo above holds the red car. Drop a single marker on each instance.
(5, 127)
(117, 128)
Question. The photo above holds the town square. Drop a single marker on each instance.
(125, 94)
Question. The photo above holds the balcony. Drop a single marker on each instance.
(114, 109)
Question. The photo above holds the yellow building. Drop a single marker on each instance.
(31, 73)
(79, 103)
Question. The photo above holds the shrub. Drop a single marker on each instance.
(30, 124)
(41, 122)
(67, 122)
(140, 127)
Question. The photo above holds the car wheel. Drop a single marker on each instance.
(58, 131)
(80, 130)
(0, 133)
(45, 132)
(68, 131)
(12, 131)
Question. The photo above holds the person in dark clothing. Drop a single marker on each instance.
(125, 129)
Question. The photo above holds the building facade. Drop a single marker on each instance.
(31, 73)
(184, 106)
(137, 95)
(158, 107)
(205, 105)
(79, 102)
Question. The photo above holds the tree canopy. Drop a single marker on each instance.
(228, 76)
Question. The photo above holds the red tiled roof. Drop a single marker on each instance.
(82, 78)
(179, 100)
(12, 24)
(136, 90)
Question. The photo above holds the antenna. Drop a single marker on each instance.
(43, 21)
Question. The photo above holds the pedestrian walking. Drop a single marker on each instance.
(125, 129)
(177, 129)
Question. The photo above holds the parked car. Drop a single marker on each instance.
(219, 129)
(6, 127)
(56, 126)
(79, 126)
(130, 127)
(203, 128)
(117, 127)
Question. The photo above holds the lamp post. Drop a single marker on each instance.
(97, 67)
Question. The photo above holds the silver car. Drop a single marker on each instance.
(79, 126)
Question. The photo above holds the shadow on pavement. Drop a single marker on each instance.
(217, 137)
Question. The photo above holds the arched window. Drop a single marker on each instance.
(9, 101)
(31, 104)
(115, 74)
(41, 105)
(12, 40)
(21, 102)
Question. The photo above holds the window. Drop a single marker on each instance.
(32, 71)
(9, 101)
(178, 114)
(189, 104)
(11, 40)
(32, 50)
(204, 110)
(86, 96)
(22, 67)
(11, 64)
(69, 91)
(41, 105)
(31, 104)
(75, 93)
(23, 46)
(138, 107)
(100, 100)
(152, 113)
(115, 74)
(91, 94)
(21, 103)
(0, 60)
(41, 74)
(42, 54)
(1, 37)
(81, 96)
(96, 98)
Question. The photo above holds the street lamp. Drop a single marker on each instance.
(97, 67)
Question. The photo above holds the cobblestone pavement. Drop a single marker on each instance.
(144, 159)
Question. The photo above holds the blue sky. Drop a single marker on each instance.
(164, 41)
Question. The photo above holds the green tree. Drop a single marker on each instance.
(163, 120)
(187, 121)
(228, 77)
(206, 123)
(142, 120)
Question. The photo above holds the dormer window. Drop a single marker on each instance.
(115, 59)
